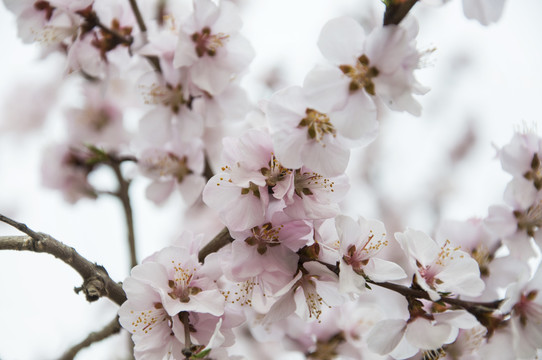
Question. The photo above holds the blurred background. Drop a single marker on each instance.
(486, 82)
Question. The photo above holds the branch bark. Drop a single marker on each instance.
(396, 11)
(110, 329)
(222, 239)
(123, 195)
(96, 280)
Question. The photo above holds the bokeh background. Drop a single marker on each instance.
(486, 82)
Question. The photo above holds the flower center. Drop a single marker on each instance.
(535, 174)
(180, 285)
(169, 164)
(527, 309)
(251, 188)
(168, 95)
(483, 257)
(146, 320)
(275, 173)
(361, 75)
(355, 258)
(304, 182)
(530, 220)
(317, 124)
(206, 43)
(264, 236)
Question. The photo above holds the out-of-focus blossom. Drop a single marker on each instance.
(66, 169)
(485, 11)
(177, 166)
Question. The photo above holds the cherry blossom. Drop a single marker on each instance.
(359, 243)
(311, 195)
(525, 305)
(99, 122)
(402, 339)
(440, 269)
(209, 43)
(303, 135)
(179, 166)
(65, 168)
(378, 64)
(313, 289)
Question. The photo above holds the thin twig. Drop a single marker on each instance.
(421, 294)
(110, 329)
(208, 172)
(397, 10)
(187, 351)
(222, 239)
(92, 20)
(139, 18)
(96, 280)
(21, 227)
(123, 195)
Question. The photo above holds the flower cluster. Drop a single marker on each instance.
(291, 266)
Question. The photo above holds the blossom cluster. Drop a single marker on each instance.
(295, 268)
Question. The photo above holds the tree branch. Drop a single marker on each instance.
(96, 280)
(123, 195)
(187, 350)
(137, 14)
(110, 329)
(21, 227)
(396, 10)
(421, 294)
(222, 239)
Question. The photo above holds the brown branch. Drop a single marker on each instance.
(96, 280)
(123, 195)
(21, 227)
(137, 14)
(222, 239)
(92, 20)
(110, 329)
(473, 307)
(396, 10)
(208, 171)
(187, 350)
(421, 294)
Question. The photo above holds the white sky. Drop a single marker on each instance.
(488, 75)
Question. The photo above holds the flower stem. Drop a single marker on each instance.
(397, 10)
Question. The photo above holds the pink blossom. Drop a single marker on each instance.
(174, 116)
(174, 273)
(472, 235)
(210, 45)
(404, 339)
(525, 306)
(311, 195)
(380, 64)
(304, 135)
(177, 166)
(442, 268)
(359, 243)
(99, 122)
(314, 288)
(521, 157)
(65, 168)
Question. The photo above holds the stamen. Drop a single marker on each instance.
(361, 74)
(206, 43)
(318, 125)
